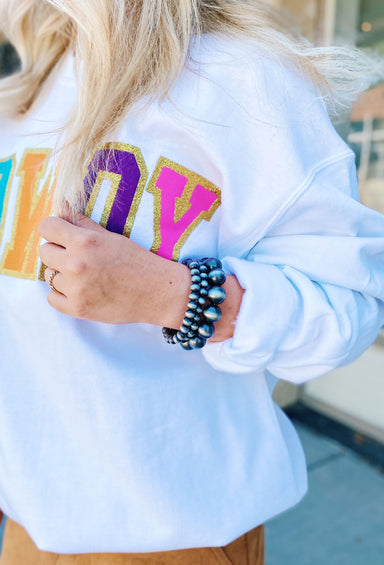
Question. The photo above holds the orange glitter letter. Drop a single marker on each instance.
(21, 254)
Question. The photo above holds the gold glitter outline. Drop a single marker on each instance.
(182, 203)
(115, 182)
(7, 193)
(126, 148)
(35, 199)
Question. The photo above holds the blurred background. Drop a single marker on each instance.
(339, 417)
(352, 395)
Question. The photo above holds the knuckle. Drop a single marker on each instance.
(78, 266)
(87, 239)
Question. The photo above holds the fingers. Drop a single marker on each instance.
(57, 230)
(54, 280)
(58, 301)
(86, 223)
(63, 232)
(52, 255)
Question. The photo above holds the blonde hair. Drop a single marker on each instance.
(135, 49)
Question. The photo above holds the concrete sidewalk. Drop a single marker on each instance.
(341, 519)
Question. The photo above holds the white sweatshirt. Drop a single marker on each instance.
(110, 439)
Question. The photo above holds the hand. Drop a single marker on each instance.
(106, 277)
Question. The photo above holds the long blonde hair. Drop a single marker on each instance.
(135, 49)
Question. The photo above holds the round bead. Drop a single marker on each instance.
(190, 313)
(199, 310)
(181, 336)
(201, 301)
(191, 334)
(197, 342)
(212, 313)
(195, 272)
(204, 284)
(194, 297)
(185, 345)
(193, 265)
(187, 322)
(203, 292)
(216, 295)
(197, 318)
(195, 287)
(203, 275)
(213, 263)
(184, 329)
(194, 327)
(195, 279)
(206, 331)
(203, 268)
(192, 306)
(216, 277)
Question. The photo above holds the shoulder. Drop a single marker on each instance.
(236, 85)
(242, 74)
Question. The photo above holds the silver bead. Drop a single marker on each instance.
(191, 306)
(212, 313)
(216, 277)
(197, 342)
(206, 331)
(213, 263)
(181, 336)
(190, 314)
(216, 295)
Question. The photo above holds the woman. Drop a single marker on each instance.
(200, 130)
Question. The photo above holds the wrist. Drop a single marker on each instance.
(166, 293)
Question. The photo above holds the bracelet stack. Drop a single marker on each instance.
(206, 293)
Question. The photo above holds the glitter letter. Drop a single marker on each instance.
(115, 183)
(21, 254)
(182, 200)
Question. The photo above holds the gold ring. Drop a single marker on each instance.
(50, 281)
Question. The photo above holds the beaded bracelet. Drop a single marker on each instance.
(206, 293)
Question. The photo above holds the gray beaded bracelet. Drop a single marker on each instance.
(206, 293)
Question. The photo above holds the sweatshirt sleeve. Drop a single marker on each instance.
(314, 284)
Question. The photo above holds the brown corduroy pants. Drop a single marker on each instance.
(19, 549)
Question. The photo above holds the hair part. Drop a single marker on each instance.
(154, 51)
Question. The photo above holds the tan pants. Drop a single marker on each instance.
(19, 549)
